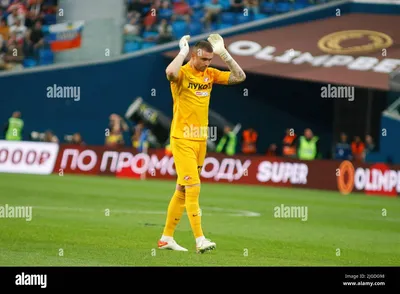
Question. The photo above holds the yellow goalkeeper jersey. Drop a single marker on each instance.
(191, 99)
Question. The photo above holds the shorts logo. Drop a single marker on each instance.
(187, 178)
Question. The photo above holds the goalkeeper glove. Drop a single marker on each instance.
(184, 45)
(217, 42)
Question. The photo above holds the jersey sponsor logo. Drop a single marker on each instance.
(197, 86)
(203, 94)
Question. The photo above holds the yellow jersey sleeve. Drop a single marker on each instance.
(221, 77)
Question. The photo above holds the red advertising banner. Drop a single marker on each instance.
(346, 177)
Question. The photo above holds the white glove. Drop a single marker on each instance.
(184, 45)
(217, 42)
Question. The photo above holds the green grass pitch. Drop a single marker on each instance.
(104, 221)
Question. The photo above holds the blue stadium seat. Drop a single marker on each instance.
(179, 28)
(28, 62)
(197, 15)
(50, 19)
(298, 6)
(45, 29)
(243, 18)
(282, 7)
(225, 4)
(150, 34)
(259, 16)
(268, 7)
(146, 45)
(165, 13)
(195, 28)
(46, 56)
(224, 26)
(228, 18)
(131, 47)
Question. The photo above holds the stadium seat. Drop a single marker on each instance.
(225, 4)
(282, 7)
(228, 18)
(197, 15)
(179, 28)
(165, 13)
(28, 62)
(146, 45)
(131, 46)
(150, 34)
(45, 29)
(224, 26)
(241, 18)
(259, 16)
(50, 19)
(195, 28)
(268, 7)
(298, 6)
(46, 56)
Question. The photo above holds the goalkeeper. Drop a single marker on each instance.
(191, 85)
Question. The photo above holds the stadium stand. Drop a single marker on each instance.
(24, 24)
(148, 23)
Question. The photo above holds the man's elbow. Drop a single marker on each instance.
(171, 75)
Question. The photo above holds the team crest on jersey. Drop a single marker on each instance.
(187, 178)
(206, 79)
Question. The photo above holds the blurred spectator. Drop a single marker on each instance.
(14, 15)
(13, 129)
(212, 14)
(289, 144)
(4, 4)
(308, 146)
(369, 145)
(237, 6)
(342, 148)
(165, 11)
(227, 144)
(132, 30)
(14, 54)
(249, 143)
(182, 11)
(34, 41)
(165, 32)
(20, 30)
(116, 127)
(272, 150)
(31, 19)
(252, 6)
(4, 29)
(357, 149)
(77, 139)
(49, 136)
(139, 137)
(150, 19)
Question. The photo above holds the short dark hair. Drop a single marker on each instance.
(205, 45)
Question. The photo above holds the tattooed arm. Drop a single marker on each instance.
(237, 74)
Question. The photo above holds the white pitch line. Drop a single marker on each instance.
(231, 212)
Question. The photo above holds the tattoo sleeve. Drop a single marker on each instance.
(237, 74)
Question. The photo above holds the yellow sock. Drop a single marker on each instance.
(193, 210)
(175, 210)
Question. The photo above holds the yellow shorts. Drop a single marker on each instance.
(189, 157)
